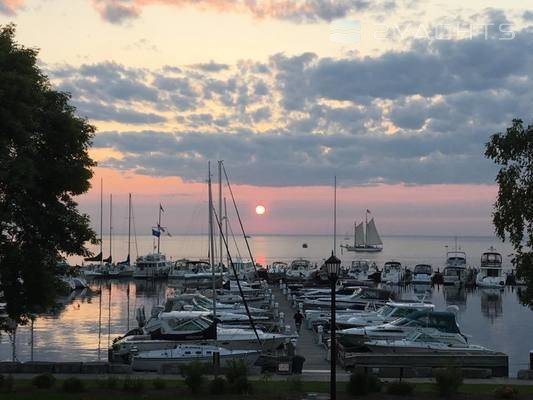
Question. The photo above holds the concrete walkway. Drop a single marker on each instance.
(315, 355)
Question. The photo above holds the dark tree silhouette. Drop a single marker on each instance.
(43, 164)
(513, 210)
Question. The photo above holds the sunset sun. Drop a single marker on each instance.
(260, 210)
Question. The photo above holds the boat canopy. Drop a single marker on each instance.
(423, 269)
(441, 320)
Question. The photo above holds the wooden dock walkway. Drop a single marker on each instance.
(315, 354)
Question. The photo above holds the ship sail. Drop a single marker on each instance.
(372, 235)
(359, 235)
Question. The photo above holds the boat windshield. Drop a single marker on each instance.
(386, 310)
(423, 269)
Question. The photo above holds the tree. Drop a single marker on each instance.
(513, 210)
(44, 163)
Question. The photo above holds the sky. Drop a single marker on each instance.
(394, 97)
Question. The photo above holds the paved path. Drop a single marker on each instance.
(315, 355)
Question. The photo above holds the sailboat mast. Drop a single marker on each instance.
(335, 215)
(101, 220)
(129, 227)
(159, 229)
(226, 229)
(220, 210)
(211, 239)
(366, 228)
(355, 233)
(110, 228)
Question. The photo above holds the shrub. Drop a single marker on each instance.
(295, 384)
(8, 384)
(400, 388)
(448, 381)
(361, 384)
(73, 385)
(218, 386)
(110, 383)
(506, 392)
(237, 377)
(159, 384)
(194, 376)
(43, 381)
(133, 385)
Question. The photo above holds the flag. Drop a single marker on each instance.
(161, 207)
(156, 232)
(368, 211)
(164, 230)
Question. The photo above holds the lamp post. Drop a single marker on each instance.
(333, 266)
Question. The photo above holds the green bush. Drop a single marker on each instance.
(133, 385)
(448, 382)
(506, 392)
(237, 377)
(7, 384)
(400, 388)
(159, 384)
(295, 384)
(110, 383)
(43, 381)
(194, 376)
(218, 386)
(361, 384)
(73, 385)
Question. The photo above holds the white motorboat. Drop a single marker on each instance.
(490, 270)
(189, 270)
(392, 273)
(183, 354)
(422, 274)
(455, 272)
(300, 270)
(388, 313)
(366, 237)
(355, 338)
(359, 299)
(152, 266)
(276, 271)
(358, 270)
(426, 341)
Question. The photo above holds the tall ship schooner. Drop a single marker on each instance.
(366, 237)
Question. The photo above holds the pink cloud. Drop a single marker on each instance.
(10, 6)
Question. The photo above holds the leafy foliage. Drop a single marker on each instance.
(513, 210)
(133, 385)
(400, 388)
(194, 376)
(448, 381)
(44, 163)
(237, 377)
(218, 386)
(361, 384)
(73, 385)
(506, 392)
(43, 381)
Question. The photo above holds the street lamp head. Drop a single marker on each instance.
(333, 265)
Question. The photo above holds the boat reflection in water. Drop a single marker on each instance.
(455, 296)
(491, 303)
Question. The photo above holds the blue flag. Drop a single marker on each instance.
(156, 232)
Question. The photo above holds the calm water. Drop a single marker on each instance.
(87, 321)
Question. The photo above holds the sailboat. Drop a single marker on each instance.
(365, 242)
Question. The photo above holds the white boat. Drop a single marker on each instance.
(388, 313)
(422, 274)
(490, 270)
(426, 341)
(276, 271)
(359, 270)
(359, 299)
(392, 273)
(300, 270)
(152, 266)
(189, 270)
(183, 354)
(455, 272)
(400, 328)
(365, 240)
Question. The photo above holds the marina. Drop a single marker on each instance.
(93, 318)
